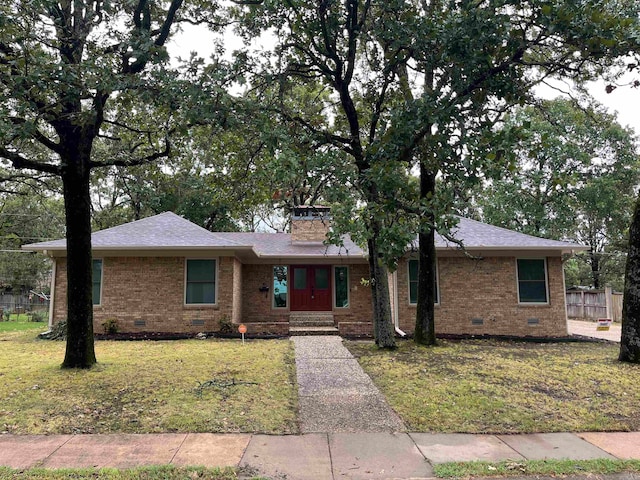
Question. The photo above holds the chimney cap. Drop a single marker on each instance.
(311, 211)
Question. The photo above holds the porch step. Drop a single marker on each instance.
(311, 320)
(313, 330)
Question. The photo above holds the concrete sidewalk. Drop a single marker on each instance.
(588, 329)
(331, 456)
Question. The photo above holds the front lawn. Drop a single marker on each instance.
(487, 386)
(536, 468)
(13, 326)
(148, 386)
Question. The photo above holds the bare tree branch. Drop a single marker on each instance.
(19, 161)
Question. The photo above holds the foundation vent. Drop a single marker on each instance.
(533, 321)
(139, 323)
(477, 321)
(197, 322)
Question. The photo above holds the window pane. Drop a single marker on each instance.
(413, 270)
(533, 292)
(531, 269)
(413, 281)
(96, 280)
(201, 281)
(322, 278)
(413, 292)
(342, 287)
(280, 286)
(300, 278)
(201, 270)
(201, 293)
(532, 284)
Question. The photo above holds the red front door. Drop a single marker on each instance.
(311, 290)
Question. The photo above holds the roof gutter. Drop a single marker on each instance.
(52, 296)
(45, 249)
(396, 308)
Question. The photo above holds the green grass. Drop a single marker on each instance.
(535, 467)
(146, 473)
(148, 386)
(487, 386)
(13, 326)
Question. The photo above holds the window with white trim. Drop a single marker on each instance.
(532, 280)
(96, 281)
(413, 266)
(200, 282)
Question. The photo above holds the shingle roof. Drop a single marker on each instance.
(170, 231)
(166, 230)
(280, 245)
(476, 234)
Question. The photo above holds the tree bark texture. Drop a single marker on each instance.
(595, 269)
(425, 332)
(384, 333)
(630, 342)
(77, 202)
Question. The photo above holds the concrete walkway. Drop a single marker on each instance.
(335, 395)
(588, 329)
(317, 456)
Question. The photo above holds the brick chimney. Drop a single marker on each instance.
(310, 223)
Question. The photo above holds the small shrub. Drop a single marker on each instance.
(58, 332)
(110, 326)
(225, 325)
(37, 317)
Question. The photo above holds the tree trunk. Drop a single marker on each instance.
(382, 325)
(425, 332)
(77, 202)
(630, 342)
(595, 269)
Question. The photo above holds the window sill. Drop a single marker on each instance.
(201, 306)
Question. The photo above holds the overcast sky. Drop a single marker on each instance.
(624, 100)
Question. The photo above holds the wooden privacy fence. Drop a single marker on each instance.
(594, 304)
(23, 302)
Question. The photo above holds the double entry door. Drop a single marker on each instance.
(311, 290)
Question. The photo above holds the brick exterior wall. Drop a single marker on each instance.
(309, 229)
(359, 299)
(151, 290)
(487, 289)
(257, 307)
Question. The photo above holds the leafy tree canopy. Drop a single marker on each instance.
(573, 176)
(86, 84)
(27, 218)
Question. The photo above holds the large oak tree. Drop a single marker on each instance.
(421, 84)
(78, 73)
